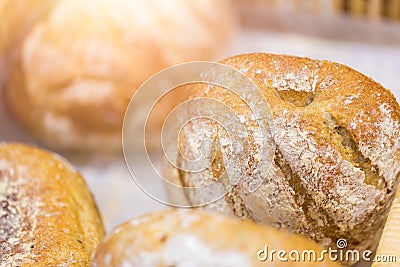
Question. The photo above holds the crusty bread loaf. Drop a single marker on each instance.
(75, 71)
(184, 238)
(47, 214)
(336, 164)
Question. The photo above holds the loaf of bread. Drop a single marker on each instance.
(73, 73)
(47, 214)
(183, 238)
(334, 137)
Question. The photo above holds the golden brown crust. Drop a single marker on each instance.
(194, 238)
(47, 214)
(336, 163)
(75, 72)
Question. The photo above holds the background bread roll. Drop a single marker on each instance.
(336, 164)
(16, 20)
(47, 214)
(192, 238)
(77, 68)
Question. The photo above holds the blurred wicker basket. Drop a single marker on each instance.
(373, 9)
(376, 21)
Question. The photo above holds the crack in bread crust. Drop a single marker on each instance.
(299, 99)
(348, 148)
(318, 219)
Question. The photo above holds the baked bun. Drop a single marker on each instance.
(75, 71)
(334, 143)
(193, 238)
(47, 214)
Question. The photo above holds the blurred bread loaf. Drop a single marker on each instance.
(47, 214)
(73, 73)
(334, 138)
(16, 20)
(184, 238)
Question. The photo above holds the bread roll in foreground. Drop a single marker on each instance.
(47, 214)
(73, 74)
(337, 159)
(187, 238)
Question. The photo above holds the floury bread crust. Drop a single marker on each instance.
(187, 238)
(336, 164)
(73, 73)
(47, 214)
